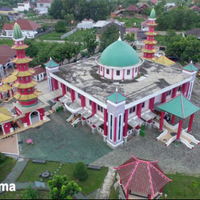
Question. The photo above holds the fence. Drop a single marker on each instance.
(68, 33)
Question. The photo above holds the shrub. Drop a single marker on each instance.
(80, 171)
(2, 158)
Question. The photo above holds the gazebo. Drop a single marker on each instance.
(141, 179)
(5, 89)
(180, 107)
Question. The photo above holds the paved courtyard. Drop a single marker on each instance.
(172, 158)
(58, 141)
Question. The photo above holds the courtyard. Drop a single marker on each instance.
(58, 141)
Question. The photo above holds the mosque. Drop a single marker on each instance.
(116, 93)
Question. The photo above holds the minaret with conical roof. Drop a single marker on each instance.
(26, 94)
(149, 50)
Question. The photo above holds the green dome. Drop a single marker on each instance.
(153, 14)
(17, 32)
(119, 54)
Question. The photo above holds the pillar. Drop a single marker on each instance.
(82, 101)
(188, 87)
(123, 74)
(184, 88)
(125, 123)
(149, 196)
(190, 123)
(174, 91)
(103, 71)
(115, 130)
(133, 72)
(55, 84)
(94, 109)
(72, 95)
(127, 194)
(179, 130)
(162, 121)
(12, 91)
(164, 97)
(63, 89)
(105, 122)
(1, 95)
(151, 104)
(112, 73)
(173, 119)
(139, 110)
(161, 190)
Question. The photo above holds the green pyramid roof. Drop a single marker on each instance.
(116, 97)
(119, 54)
(51, 63)
(180, 106)
(152, 14)
(17, 32)
(190, 67)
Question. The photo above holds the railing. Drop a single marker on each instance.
(76, 121)
(171, 127)
(70, 118)
(57, 105)
(68, 33)
(190, 137)
(165, 132)
(184, 141)
(170, 141)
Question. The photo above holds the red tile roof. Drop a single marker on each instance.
(142, 176)
(196, 8)
(154, 1)
(38, 70)
(132, 8)
(25, 25)
(5, 53)
(144, 23)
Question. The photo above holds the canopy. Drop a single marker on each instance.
(9, 79)
(5, 115)
(142, 176)
(179, 106)
(116, 97)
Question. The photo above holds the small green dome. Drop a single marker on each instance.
(119, 54)
(153, 14)
(17, 32)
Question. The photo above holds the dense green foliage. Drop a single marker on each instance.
(42, 51)
(10, 3)
(181, 18)
(91, 43)
(110, 35)
(185, 48)
(60, 26)
(2, 158)
(29, 193)
(61, 188)
(80, 172)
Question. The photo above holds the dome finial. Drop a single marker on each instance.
(119, 39)
(152, 14)
(17, 32)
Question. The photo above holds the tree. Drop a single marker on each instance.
(61, 188)
(60, 26)
(91, 43)
(80, 172)
(56, 8)
(109, 36)
(130, 37)
(29, 193)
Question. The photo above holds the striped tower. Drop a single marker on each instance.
(26, 94)
(149, 50)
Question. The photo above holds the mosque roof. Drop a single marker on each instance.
(152, 14)
(17, 31)
(119, 54)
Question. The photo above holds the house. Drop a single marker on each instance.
(132, 9)
(195, 8)
(21, 7)
(117, 12)
(144, 26)
(44, 4)
(142, 7)
(155, 2)
(86, 24)
(6, 55)
(39, 74)
(6, 10)
(101, 23)
(194, 32)
(29, 28)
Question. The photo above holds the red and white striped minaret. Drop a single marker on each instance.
(26, 94)
(149, 50)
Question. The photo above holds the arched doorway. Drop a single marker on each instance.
(34, 117)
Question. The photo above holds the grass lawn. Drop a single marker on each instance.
(33, 170)
(17, 195)
(79, 35)
(51, 36)
(182, 187)
(6, 168)
(129, 21)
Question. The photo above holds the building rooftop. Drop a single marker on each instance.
(83, 75)
(5, 53)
